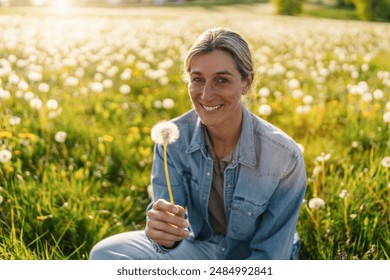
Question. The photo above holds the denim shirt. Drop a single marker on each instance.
(264, 185)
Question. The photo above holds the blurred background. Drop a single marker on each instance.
(82, 83)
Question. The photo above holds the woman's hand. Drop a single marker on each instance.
(166, 224)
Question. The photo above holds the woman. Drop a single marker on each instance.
(237, 181)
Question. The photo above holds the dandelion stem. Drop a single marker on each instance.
(346, 217)
(167, 175)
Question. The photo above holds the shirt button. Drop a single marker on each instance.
(208, 173)
(223, 249)
(250, 213)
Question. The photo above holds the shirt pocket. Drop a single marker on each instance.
(244, 217)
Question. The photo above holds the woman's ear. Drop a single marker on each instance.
(248, 83)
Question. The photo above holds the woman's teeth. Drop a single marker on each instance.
(211, 108)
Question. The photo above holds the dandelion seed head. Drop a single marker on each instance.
(323, 157)
(265, 110)
(125, 89)
(386, 117)
(60, 136)
(378, 94)
(36, 103)
(5, 156)
(168, 103)
(264, 92)
(386, 162)
(343, 194)
(165, 132)
(316, 203)
(52, 104)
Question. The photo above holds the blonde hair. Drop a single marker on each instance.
(225, 40)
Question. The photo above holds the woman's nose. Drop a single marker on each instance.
(208, 92)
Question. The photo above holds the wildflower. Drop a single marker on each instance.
(168, 103)
(265, 110)
(378, 94)
(43, 87)
(307, 99)
(71, 81)
(14, 120)
(1, 199)
(125, 89)
(367, 97)
(317, 170)
(355, 144)
(386, 117)
(52, 104)
(264, 92)
(5, 156)
(388, 105)
(36, 103)
(386, 162)
(60, 136)
(343, 194)
(323, 157)
(4, 94)
(165, 132)
(157, 104)
(297, 93)
(353, 216)
(5, 134)
(107, 138)
(316, 203)
(293, 84)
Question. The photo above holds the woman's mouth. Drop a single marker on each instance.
(211, 108)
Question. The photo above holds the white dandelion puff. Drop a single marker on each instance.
(60, 136)
(386, 162)
(168, 103)
(386, 117)
(52, 104)
(36, 103)
(343, 194)
(125, 89)
(265, 110)
(323, 157)
(165, 132)
(316, 203)
(5, 156)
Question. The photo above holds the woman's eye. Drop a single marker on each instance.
(196, 80)
(221, 80)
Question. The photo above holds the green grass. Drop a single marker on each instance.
(330, 12)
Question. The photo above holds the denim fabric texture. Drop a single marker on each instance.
(264, 185)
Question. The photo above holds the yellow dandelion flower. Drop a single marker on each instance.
(108, 138)
(5, 134)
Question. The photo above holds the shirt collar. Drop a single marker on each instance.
(245, 152)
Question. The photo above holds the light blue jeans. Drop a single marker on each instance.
(134, 245)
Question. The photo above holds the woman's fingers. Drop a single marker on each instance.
(166, 224)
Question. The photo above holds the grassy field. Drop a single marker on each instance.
(79, 92)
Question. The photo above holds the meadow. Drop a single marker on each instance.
(80, 91)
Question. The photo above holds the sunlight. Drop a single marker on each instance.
(61, 5)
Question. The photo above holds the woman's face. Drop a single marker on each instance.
(215, 88)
